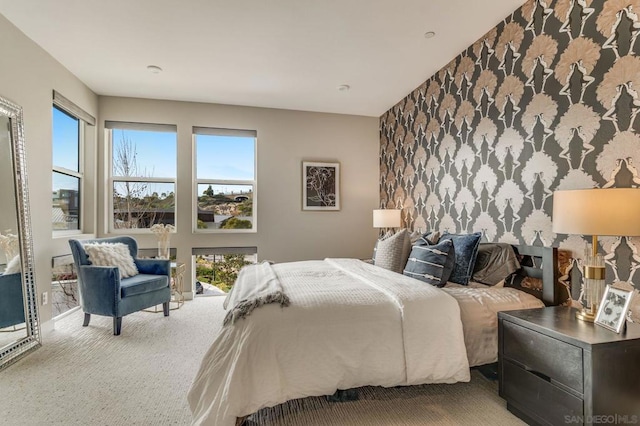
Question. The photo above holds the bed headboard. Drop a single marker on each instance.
(545, 268)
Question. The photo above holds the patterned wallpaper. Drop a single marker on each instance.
(547, 100)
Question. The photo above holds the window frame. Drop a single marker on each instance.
(111, 180)
(213, 131)
(84, 119)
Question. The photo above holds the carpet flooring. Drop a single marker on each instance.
(87, 376)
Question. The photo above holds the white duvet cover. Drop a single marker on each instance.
(349, 324)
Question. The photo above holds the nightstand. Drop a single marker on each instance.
(555, 369)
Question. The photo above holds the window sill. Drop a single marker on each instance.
(225, 231)
(65, 235)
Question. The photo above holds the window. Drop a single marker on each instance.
(143, 174)
(68, 132)
(217, 268)
(225, 164)
(64, 285)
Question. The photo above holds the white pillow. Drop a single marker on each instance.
(112, 254)
(14, 266)
(392, 251)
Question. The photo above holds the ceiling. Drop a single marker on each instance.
(290, 54)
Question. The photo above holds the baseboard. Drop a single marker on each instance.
(188, 295)
(66, 313)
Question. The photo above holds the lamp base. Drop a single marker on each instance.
(585, 315)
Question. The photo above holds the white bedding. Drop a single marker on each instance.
(479, 307)
(349, 324)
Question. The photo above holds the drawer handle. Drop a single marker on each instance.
(540, 375)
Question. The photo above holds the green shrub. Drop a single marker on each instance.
(235, 223)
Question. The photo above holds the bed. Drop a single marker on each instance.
(350, 324)
(479, 303)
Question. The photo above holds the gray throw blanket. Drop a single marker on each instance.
(256, 285)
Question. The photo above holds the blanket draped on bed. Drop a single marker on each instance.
(349, 324)
(256, 285)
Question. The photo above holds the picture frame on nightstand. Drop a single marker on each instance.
(612, 313)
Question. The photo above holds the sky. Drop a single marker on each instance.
(218, 157)
(65, 140)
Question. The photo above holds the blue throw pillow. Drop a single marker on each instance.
(431, 263)
(466, 249)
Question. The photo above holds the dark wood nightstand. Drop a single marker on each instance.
(555, 369)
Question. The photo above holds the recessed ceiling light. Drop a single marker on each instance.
(429, 34)
(344, 87)
(154, 69)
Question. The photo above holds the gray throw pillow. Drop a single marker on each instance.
(495, 262)
(431, 263)
(392, 251)
(466, 249)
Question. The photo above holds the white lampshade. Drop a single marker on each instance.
(387, 218)
(611, 212)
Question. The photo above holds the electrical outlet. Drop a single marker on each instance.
(45, 298)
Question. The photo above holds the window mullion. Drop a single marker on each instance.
(225, 182)
(143, 179)
(67, 172)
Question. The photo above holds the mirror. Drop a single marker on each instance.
(19, 326)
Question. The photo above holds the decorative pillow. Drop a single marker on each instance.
(14, 266)
(432, 237)
(112, 254)
(414, 236)
(388, 234)
(431, 263)
(495, 262)
(392, 251)
(521, 281)
(466, 249)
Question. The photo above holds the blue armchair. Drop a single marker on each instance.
(103, 292)
(11, 301)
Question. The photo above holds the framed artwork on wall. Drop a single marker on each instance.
(612, 313)
(320, 186)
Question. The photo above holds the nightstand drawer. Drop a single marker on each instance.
(540, 399)
(559, 361)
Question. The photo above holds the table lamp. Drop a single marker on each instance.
(387, 218)
(610, 212)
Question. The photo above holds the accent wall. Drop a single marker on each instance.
(546, 100)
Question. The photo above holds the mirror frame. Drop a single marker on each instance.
(14, 351)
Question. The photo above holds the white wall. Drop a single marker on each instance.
(28, 76)
(285, 139)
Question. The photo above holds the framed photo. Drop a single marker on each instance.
(320, 186)
(612, 312)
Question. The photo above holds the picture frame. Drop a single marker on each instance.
(612, 313)
(320, 186)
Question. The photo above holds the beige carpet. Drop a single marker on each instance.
(87, 376)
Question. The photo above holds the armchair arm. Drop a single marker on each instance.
(99, 289)
(154, 266)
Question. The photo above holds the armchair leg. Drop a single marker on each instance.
(117, 325)
(87, 318)
(165, 308)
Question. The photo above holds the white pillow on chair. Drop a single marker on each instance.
(13, 267)
(112, 254)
